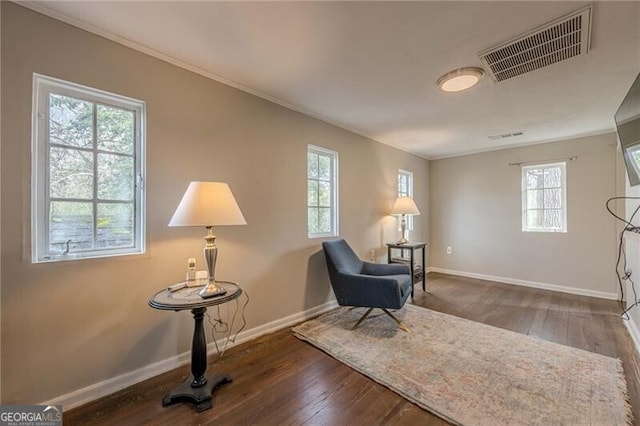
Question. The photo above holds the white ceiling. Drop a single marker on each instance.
(371, 67)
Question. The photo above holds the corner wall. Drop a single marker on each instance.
(632, 249)
(475, 203)
(632, 244)
(69, 325)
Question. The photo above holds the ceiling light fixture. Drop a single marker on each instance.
(460, 79)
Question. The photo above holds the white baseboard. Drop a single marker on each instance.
(109, 386)
(525, 283)
(634, 332)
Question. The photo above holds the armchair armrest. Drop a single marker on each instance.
(381, 269)
(368, 291)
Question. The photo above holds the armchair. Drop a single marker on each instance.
(363, 284)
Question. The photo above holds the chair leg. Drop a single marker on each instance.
(400, 324)
(366, 314)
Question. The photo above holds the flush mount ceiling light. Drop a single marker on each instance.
(460, 79)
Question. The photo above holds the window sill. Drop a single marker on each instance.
(84, 256)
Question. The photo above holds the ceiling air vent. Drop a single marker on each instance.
(556, 41)
(506, 135)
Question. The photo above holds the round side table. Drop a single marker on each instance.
(198, 387)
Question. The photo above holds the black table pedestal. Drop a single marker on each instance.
(200, 395)
(197, 387)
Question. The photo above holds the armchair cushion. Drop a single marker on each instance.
(384, 269)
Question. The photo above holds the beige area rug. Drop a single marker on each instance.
(470, 373)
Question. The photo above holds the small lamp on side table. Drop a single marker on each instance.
(402, 207)
(208, 204)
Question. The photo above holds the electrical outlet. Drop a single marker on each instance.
(449, 250)
(372, 255)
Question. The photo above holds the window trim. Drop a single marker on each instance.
(409, 175)
(333, 156)
(43, 86)
(563, 167)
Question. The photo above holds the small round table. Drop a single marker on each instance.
(198, 386)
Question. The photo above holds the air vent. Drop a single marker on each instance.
(554, 42)
(506, 135)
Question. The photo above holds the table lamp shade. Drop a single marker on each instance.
(405, 205)
(207, 204)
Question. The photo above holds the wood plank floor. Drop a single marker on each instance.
(280, 380)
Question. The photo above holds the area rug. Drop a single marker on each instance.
(470, 373)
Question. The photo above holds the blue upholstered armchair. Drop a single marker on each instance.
(363, 284)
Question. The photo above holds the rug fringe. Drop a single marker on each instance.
(623, 388)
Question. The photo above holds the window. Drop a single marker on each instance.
(322, 192)
(544, 206)
(87, 172)
(405, 189)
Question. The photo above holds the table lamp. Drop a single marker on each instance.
(208, 204)
(402, 207)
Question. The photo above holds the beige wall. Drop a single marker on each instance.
(476, 209)
(69, 325)
(633, 263)
(632, 246)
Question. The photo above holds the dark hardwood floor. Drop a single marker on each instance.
(280, 380)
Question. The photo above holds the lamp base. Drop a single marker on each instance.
(403, 231)
(210, 256)
(211, 290)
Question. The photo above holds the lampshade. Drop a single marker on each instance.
(405, 205)
(207, 204)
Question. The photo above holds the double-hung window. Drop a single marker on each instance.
(322, 192)
(87, 172)
(405, 189)
(544, 198)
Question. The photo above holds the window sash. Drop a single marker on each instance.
(317, 207)
(540, 208)
(405, 190)
(43, 88)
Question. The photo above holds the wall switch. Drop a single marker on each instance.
(448, 249)
(372, 255)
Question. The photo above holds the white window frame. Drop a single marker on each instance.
(333, 157)
(563, 188)
(409, 176)
(43, 86)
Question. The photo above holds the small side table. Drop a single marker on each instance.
(417, 271)
(198, 386)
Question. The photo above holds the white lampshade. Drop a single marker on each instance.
(405, 205)
(207, 204)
